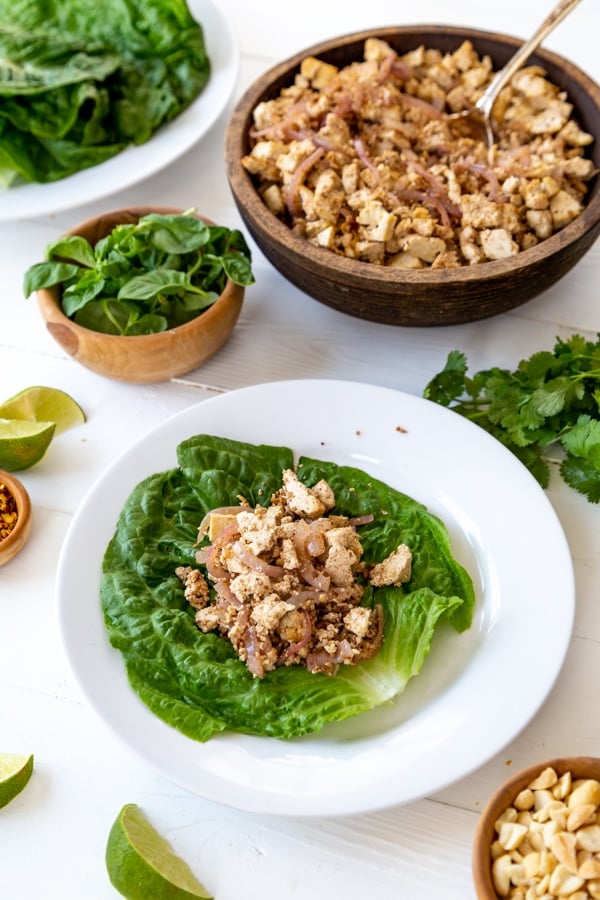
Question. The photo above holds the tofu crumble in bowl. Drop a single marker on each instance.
(357, 186)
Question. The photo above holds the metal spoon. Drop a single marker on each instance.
(477, 121)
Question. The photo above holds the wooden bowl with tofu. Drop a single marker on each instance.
(354, 185)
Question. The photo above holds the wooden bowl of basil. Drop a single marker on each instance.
(142, 294)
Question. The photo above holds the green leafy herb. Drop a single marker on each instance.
(145, 277)
(80, 81)
(552, 398)
(195, 681)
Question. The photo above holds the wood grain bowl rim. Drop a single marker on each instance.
(502, 798)
(272, 230)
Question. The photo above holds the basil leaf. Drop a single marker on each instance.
(168, 268)
(237, 268)
(148, 286)
(82, 292)
(74, 248)
(176, 233)
(48, 274)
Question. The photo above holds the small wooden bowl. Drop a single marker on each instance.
(141, 358)
(579, 766)
(414, 297)
(15, 541)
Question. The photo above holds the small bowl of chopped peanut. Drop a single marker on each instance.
(539, 835)
(350, 175)
(15, 516)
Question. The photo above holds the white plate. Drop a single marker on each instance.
(136, 163)
(460, 710)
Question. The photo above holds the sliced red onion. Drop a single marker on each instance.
(302, 597)
(224, 591)
(361, 520)
(256, 563)
(426, 108)
(308, 573)
(253, 660)
(485, 172)
(297, 179)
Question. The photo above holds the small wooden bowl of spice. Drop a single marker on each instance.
(15, 516)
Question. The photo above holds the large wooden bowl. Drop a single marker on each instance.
(141, 358)
(421, 297)
(580, 767)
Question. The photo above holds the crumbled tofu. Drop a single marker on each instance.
(317, 72)
(480, 212)
(357, 620)
(196, 589)
(564, 208)
(379, 224)
(540, 221)
(362, 161)
(497, 243)
(424, 248)
(394, 569)
(286, 582)
(301, 500)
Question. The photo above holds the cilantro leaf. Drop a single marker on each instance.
(450, 382)
(551, 398)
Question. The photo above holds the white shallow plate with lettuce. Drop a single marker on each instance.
(135, 163)
(451, 717)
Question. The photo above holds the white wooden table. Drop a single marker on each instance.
(52, 838)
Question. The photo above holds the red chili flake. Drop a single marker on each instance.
(8, 512)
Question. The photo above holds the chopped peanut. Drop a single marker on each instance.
(547, 844)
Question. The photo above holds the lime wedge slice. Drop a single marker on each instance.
(22, 444)
(15, 772)
(141, 864)
(43, 404)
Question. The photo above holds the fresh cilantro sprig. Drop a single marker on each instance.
(550, 399)
(143, 277)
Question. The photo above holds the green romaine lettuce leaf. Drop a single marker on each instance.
(79, 82)
(195, 681)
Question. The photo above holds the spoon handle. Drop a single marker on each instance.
(560, 11)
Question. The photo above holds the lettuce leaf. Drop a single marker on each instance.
(79, 82)
(194, 681)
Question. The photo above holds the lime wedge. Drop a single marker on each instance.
(142, 865)
(22, 444)
(43, 404)
(15, 772)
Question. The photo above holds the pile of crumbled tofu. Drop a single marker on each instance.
(365, 161)
(288, 581)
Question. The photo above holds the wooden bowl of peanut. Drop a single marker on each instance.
(356, 188)
(539, 835)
